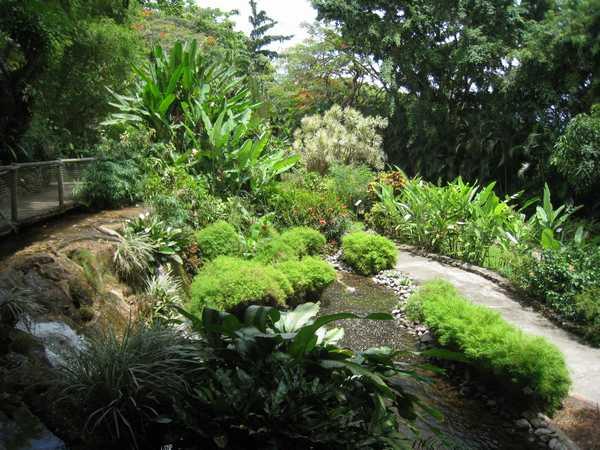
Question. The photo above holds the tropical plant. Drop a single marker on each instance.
(559, 275)
(549, 221)
(490, 343)
(167, 242)
(218, 239)
(368, 253)
(176, 89)
(459, 219)
(293, 243)
(260, 361)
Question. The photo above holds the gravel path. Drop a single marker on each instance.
(583, 361)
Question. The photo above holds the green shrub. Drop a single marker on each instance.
(492, 344)
(559, 275)
(587, 308)
(227, 283)
(368, 253)
(218, 239)
(181, 199)
(351, 185)
(110, 184)
(308, 277)
(293, 243)
(293, 205)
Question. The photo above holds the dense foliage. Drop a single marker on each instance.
(342, 136)
(491, 344)
(368, 253)
(218, 239)
(153, 384)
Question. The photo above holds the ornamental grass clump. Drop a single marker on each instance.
(368, 253)
(218, 239)
(229, 283)
(491, 344)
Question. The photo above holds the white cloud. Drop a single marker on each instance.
(290, 14)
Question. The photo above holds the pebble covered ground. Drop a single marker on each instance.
(539, 431)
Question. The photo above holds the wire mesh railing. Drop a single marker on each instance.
(33, 191)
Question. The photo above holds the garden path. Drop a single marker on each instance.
(582, 360)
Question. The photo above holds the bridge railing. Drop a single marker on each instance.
(34, 191)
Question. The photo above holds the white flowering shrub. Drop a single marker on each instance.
(340, 136)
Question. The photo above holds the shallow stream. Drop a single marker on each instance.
(468, 423)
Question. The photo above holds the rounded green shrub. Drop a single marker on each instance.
(491, 344)
(227, 283)
(293, 243)
(307, 241)
(368, 253)
(308, 277)
(218, 239)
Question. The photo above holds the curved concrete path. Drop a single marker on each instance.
(583, 361)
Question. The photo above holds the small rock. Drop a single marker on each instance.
(523, 424)
(555, 444)
(426, 338)
(491, 402)
(350, 289)
(543, 432)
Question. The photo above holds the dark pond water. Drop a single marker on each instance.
(467, 423)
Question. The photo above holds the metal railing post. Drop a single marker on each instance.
(61, 184)
(14, 207)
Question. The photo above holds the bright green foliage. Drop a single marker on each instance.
(305, 240)
(458, 219)
(228, 283)
(110, 184)
(181, 198)
(308, 276)
(351, 185)
(218, 239)
(587, 308)
(561, 274)
(577, 153)
(295, 205)
(342, 136)
(176, 89)
(293, 243)
(492, 344)
(167, 241)
(368, 253)
(258, 363)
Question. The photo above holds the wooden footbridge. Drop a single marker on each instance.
(30, 192)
